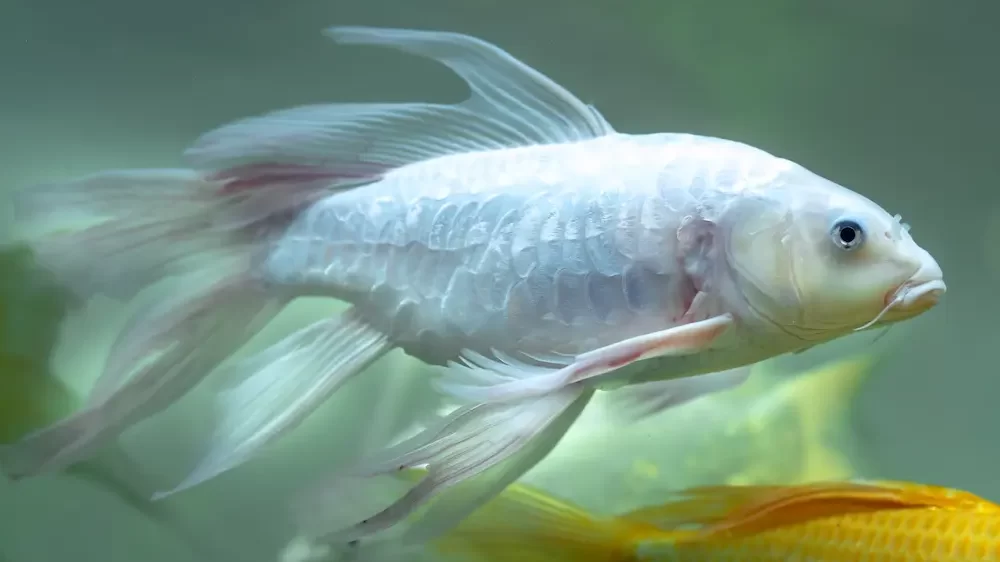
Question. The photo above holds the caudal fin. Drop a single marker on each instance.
(195, 235)
(164, 352)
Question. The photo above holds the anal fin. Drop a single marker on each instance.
(276, 389)
(471, 456)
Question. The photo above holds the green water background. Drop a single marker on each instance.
(895, 99)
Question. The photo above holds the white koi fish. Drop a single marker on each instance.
(514, 239)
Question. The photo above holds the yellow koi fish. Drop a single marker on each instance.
(821, 522)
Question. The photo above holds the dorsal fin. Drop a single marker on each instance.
(744, 510)
(511, 104)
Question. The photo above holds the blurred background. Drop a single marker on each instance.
(896, 99)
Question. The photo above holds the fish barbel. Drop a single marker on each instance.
(514, 239)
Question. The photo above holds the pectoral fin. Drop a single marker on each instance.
(503, 378)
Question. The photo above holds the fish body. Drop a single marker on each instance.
(515, 238)
(820, 522)
(553, 249)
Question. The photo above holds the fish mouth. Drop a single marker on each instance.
(920, 292)
(926, 293)
(918, 297)
(915, 296)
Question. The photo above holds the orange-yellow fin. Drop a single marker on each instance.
(928, 495)
(524, 524)
(730, 511)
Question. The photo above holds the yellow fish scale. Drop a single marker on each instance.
(903, 535)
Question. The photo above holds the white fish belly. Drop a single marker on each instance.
(474, 252)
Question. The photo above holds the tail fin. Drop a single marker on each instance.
(170, 347)
(30, 397)
(117, 233)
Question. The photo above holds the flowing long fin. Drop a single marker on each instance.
(471, 455)
(733, 511)
(182, 341)
(116, 232)
(639, 401)
(32, 397)
(336, 505)
(511, 105)
(504, 378)
(520, 524)
(198, 236)
(275, 390)
(454, 504)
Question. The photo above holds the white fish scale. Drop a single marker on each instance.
(551, 248)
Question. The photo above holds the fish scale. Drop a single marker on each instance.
(901, 535)
(526, 268)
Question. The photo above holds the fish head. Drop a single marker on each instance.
(820, 260)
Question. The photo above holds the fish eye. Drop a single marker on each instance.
(847, 234)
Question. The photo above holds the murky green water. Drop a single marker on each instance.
(895, 99)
